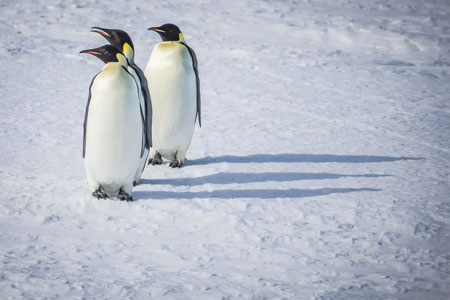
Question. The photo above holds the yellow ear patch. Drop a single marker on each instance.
(118, 56)
(180, 36)
(125, 47)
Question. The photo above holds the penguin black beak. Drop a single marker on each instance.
(157, 29)
(101, 31)
(91, 51)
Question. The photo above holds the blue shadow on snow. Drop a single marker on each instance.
(228, 178)
(297, 158)
(256, 193)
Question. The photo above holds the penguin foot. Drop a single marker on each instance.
(99, 193)
(123, 196)
(176, 163)
(135, 183)
(157, 160)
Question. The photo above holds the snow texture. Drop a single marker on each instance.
(321, 170)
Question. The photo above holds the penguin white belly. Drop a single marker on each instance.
(114, 132)
(172, 85)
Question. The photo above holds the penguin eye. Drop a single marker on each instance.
(105, 52)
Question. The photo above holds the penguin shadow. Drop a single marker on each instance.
(298, 158)
(242, 178)
(254, 193)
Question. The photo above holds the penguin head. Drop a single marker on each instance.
(119, 39)
(169, 32)
(107, 54)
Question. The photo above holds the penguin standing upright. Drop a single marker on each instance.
(113, 127)
(122, 41)
(174, 86)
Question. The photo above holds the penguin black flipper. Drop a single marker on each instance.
(142, 116)
(86, 116)
(148, 104)
(195, 65)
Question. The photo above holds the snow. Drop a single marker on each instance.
(321, 170)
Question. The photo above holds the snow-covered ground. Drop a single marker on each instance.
(321, 170)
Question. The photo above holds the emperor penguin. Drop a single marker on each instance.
(174, 85)
(122, 41)
(113, 141)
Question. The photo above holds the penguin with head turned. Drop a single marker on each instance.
(174, 85)
(113, 140)
(122, 41)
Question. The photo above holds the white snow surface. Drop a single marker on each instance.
(321, 170)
